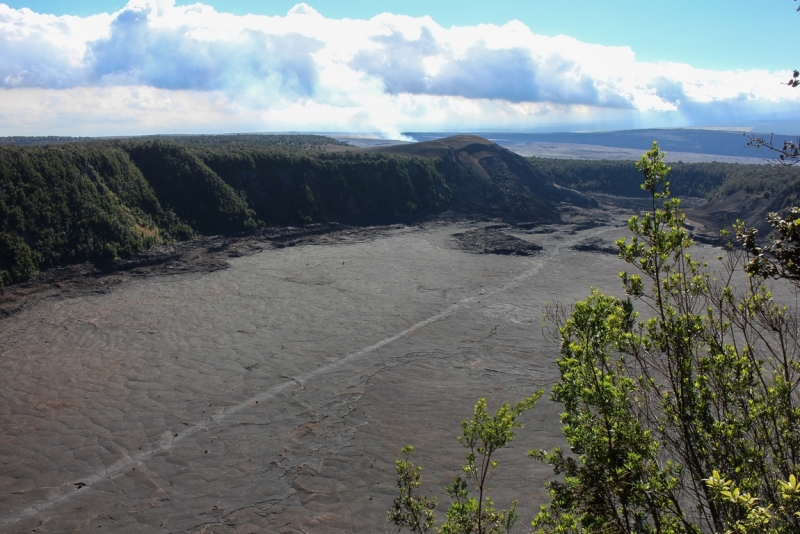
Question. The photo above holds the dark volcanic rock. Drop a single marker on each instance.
(493, 241)
(595, 244)
(486, 178)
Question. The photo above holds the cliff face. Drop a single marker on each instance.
(291, 187)
(91, 201)
(485, 178)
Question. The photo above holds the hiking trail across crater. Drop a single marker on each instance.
(256, 399)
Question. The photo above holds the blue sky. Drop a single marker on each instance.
(147, 66)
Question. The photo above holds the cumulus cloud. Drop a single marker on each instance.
(139, 53)
(398, 62)
(513, 74)
(189, 68)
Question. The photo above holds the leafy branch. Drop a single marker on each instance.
(471, 509)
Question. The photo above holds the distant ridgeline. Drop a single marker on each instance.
(707, 180)
(734, 191)
(93, 200)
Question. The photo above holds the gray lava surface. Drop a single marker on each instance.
(275, 394)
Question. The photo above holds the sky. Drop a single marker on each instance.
(117, 67)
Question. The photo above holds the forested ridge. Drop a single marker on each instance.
(73, 202)
(66, 201)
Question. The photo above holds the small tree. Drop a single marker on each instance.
(656, 408)
(780, 259)
(471, 509)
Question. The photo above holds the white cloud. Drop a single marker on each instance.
(155, 67)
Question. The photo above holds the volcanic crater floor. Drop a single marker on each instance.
(275, 394)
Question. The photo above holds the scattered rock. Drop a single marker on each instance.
(588, 224)
(492, 240)
(595, 244)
